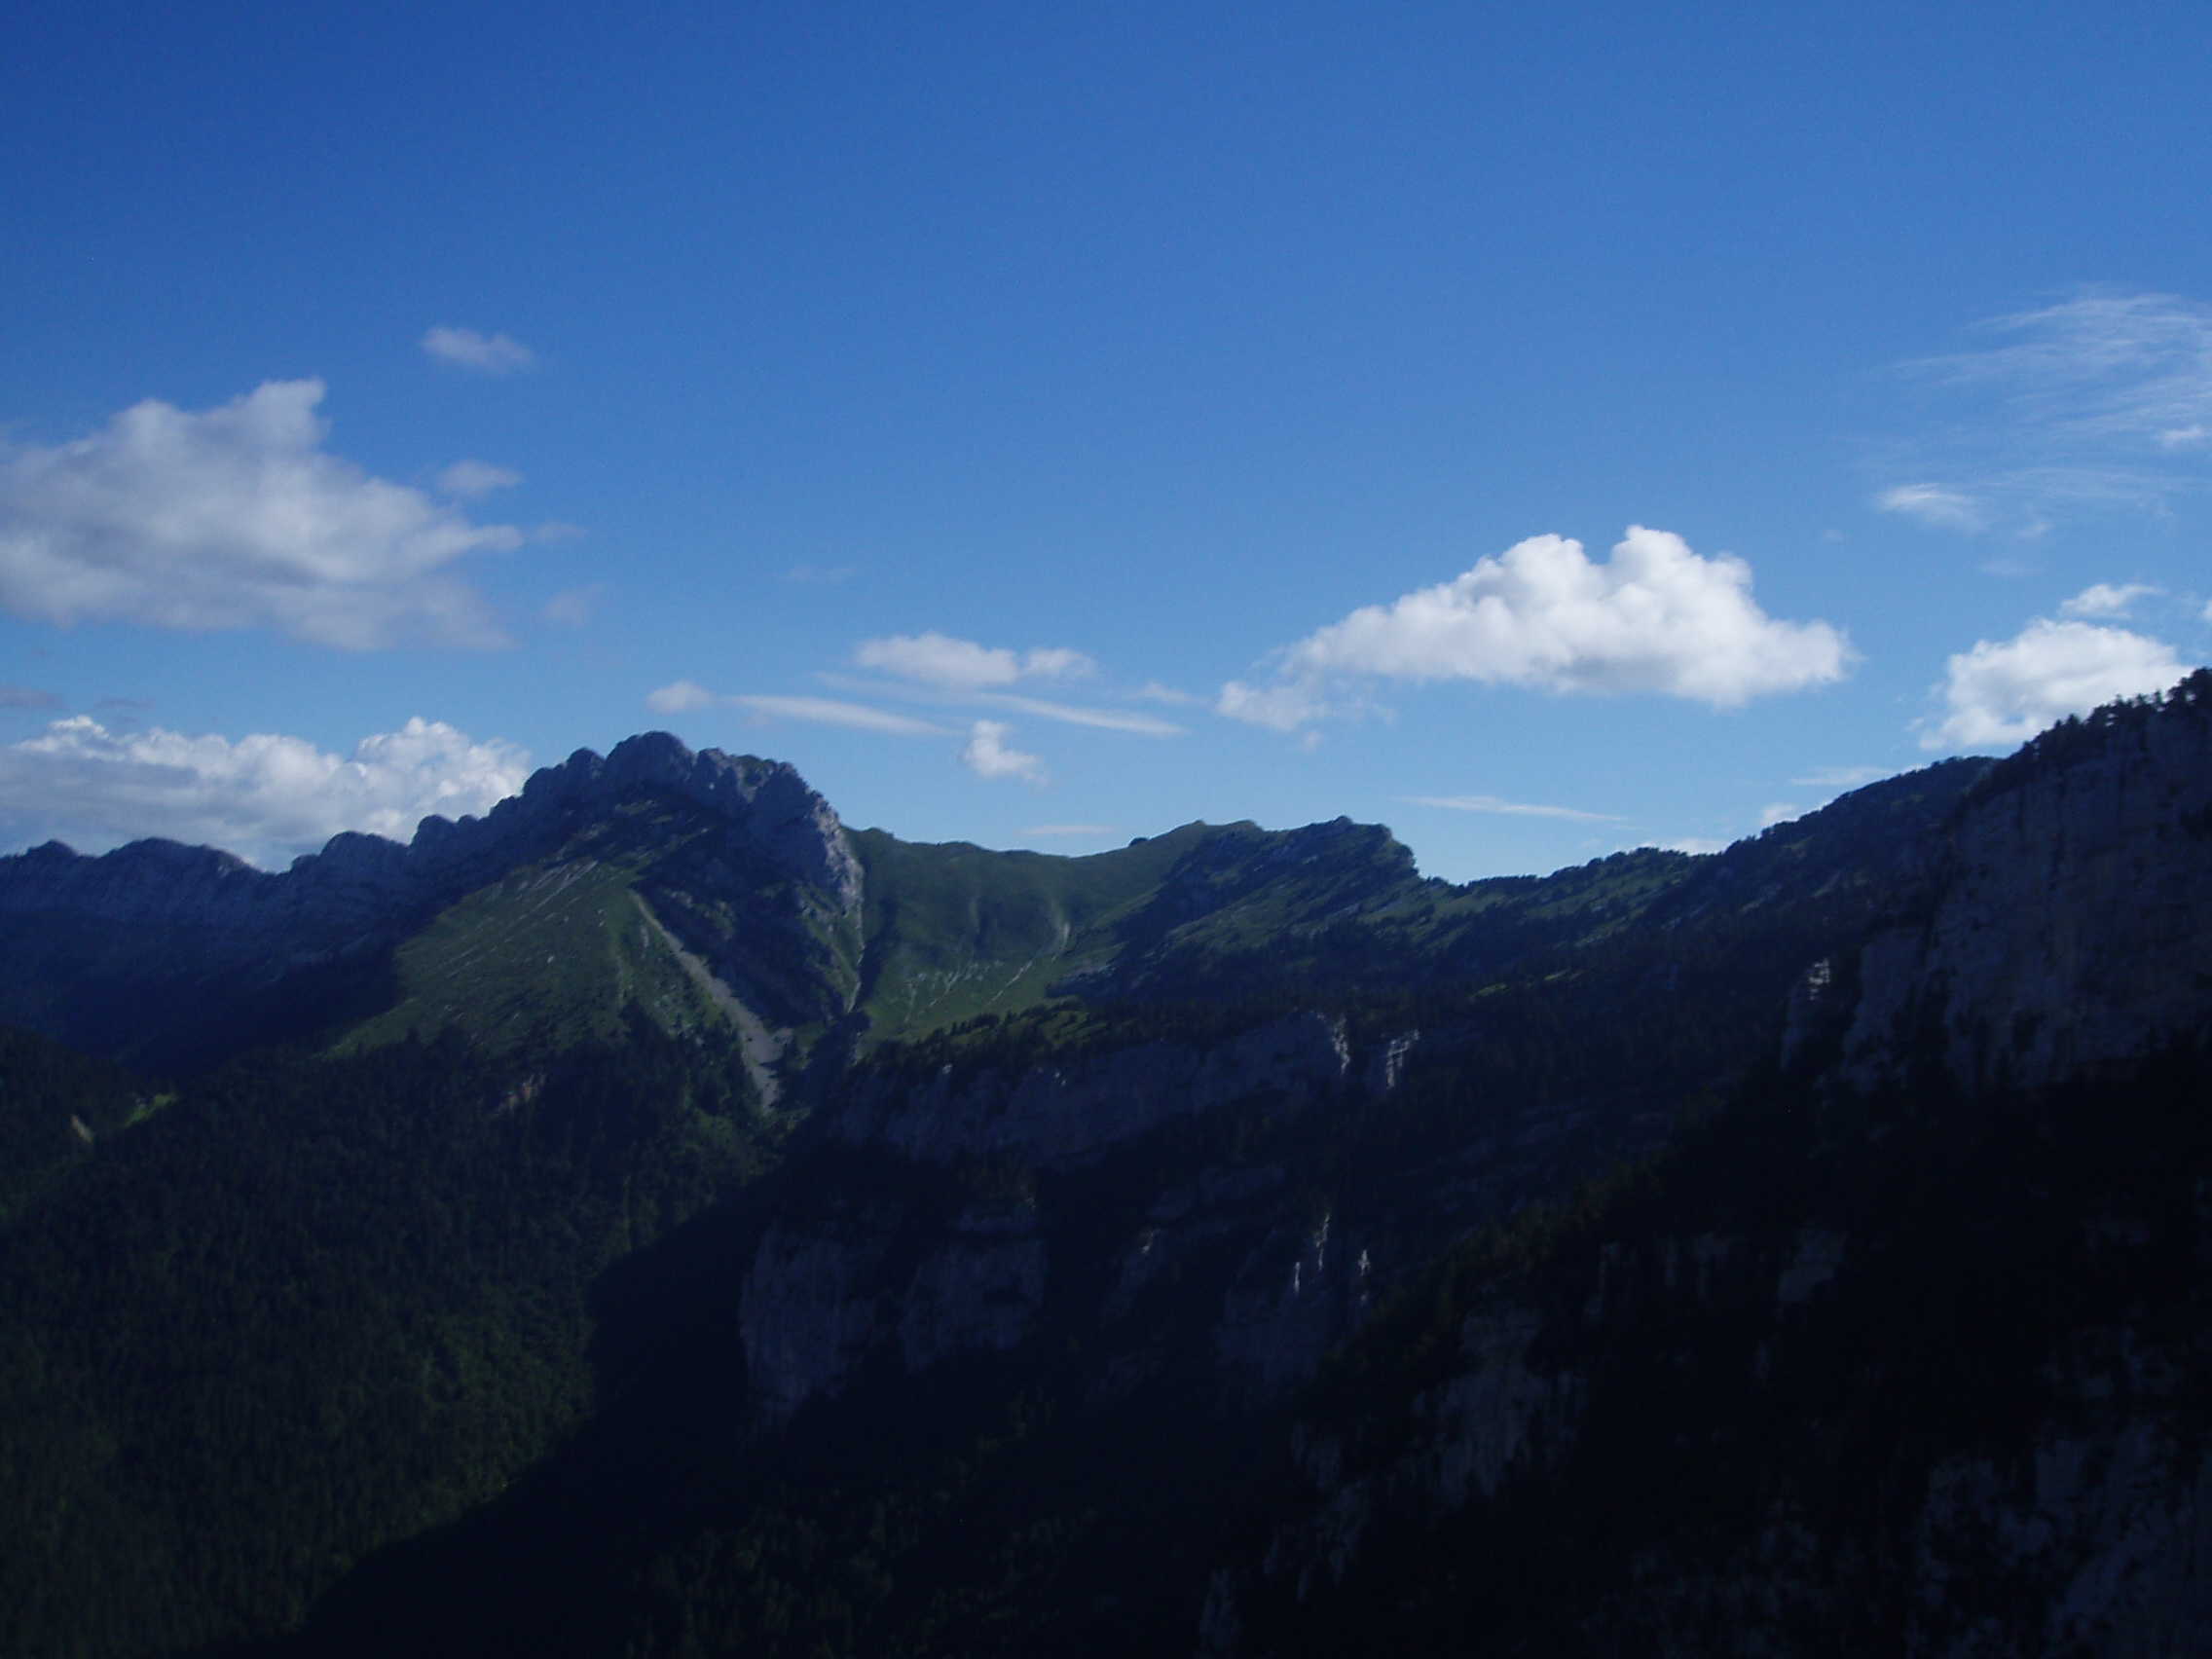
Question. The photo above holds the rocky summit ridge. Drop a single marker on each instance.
(358, 875)
(185, 926)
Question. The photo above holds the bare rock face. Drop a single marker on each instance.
(812, 1308)
(2109, 1519)
(2073, 926)
(826, 1294)
(770, 808)
(840, 1285)
(977, 1291)
(1057, 1117)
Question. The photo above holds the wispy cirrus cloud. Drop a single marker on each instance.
(682, 696)
(482, 354)
(2099, 402)
(1840, 777)
(940, 670)
(574, 607)
(949, 664)
(828, 710)
(469, 479)
(1083, 714)
(1509, 808)
(1938, 505)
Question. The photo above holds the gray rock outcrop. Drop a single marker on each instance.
(2073, 923)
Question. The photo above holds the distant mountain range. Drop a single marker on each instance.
(655, 1217)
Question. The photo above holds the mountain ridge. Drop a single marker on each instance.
(808, 931)
(1233, 1240)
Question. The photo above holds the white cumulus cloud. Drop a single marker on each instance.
(263, 797)
(235, 517)
(987, 754)
(963, 665)
(2112, 599)
(1656, 618)
(486, 353)
(2002, 693)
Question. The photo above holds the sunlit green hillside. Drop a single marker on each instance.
(955, 931)
(558, 949)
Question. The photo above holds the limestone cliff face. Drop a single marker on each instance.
(914, 1281)
(2064, 932)
(856, 1282)
(1142, 1231)
(770, 808)
(2073, 923)
(1150, 1235)
(1054, 1116)
(1512, 1405)
(2074, 1529)
(1216, 1264)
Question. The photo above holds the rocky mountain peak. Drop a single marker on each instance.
(159, 912)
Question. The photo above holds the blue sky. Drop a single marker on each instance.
(1544, 433)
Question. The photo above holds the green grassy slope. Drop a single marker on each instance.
(955, 931)
(649, 907)
(558, 949)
